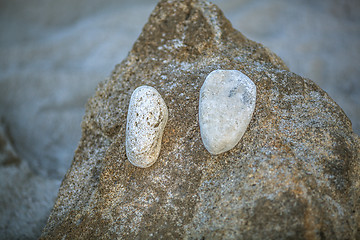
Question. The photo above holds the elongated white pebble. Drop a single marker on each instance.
(146, 120)
(227, 102)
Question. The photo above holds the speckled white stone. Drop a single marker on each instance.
(227, 102)
(146, 120)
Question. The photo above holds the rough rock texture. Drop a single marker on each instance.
(294, 174)
(227, 102)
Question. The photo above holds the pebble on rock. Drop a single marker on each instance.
(227, 102)
(146, 120)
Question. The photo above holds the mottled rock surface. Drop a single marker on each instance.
(294, 174)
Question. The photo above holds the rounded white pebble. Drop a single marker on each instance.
(146, 120)
(227, 102)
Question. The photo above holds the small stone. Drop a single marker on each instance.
(227, 102)
(146, 120)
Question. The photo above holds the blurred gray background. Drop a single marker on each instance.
(54, 53)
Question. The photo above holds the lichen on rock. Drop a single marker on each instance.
(294, 174)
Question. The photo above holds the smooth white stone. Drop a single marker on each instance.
(227, 102)
(146, 120)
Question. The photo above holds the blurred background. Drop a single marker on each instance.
(54, 53)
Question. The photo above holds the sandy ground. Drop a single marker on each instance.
(54, 53)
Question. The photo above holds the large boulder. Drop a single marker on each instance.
(294, 174)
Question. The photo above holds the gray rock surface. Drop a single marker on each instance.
(294, 174)
(226, 104)
(18, 182)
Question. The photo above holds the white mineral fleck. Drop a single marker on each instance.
(146, 120)
(227, 102)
